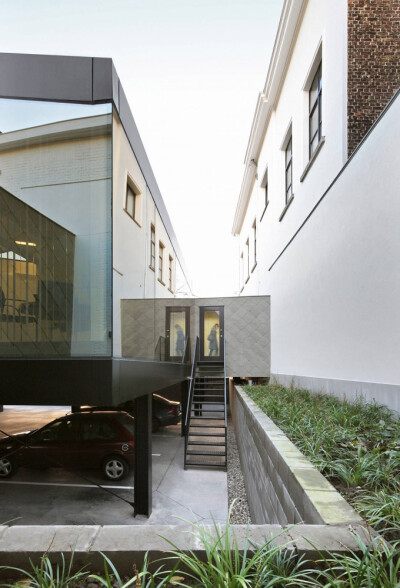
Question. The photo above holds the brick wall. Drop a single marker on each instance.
(373, 62)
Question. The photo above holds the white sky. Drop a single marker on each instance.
(192, 71)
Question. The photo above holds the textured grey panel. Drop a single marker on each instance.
(46, 77)
(247, 330)
(103, 72)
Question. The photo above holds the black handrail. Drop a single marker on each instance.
(225, 390)
(190, 395)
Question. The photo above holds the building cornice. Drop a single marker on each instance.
(292, 13)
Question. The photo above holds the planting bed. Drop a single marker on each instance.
(355, 445)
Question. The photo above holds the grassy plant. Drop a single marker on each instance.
(143, 578)
(47, 574)
(381, 509)
(226, 566)
(376, 566)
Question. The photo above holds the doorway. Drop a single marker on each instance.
(177, 333)
(211, 333)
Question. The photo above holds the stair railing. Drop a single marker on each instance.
(190, 396)
(185, 351)
(159, 350)
(225, 408)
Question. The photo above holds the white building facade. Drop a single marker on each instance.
(316, 230)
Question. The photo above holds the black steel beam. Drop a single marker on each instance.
(143, 460)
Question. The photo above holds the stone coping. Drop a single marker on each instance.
(315, 497)
(128, 545)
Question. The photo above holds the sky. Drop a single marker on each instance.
(192, 71)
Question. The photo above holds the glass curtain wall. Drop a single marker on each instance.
(55, 229)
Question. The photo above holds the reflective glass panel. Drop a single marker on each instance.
(177, 329)
(211, 333)
(55, 229)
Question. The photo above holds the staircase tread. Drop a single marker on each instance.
(208, 443)
(197, 425)
(206, 435)
(206, 453)
(206, 464)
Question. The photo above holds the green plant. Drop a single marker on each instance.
(376, 566)
(47, 574)
(143, 578)
(226, 566)
(381, 509)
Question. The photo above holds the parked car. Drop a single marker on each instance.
(165, 412)
(83, 440)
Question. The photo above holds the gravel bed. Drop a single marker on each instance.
(240, 514)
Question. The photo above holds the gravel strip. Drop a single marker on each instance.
(240, 514)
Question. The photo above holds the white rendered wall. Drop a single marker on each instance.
(324, 27)
(335, 320)
(132, 275)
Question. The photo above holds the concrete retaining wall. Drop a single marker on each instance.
(282, 486)
(126, 545)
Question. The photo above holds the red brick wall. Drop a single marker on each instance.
(373, 62)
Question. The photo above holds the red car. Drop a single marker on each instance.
(102, 440)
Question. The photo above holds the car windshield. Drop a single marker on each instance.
(127, 422)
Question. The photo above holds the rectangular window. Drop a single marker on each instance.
(131, 202)
(264, 187)
(161, 261)
(254, 244)
(315, 111)
(247, 260)
(152, 247)
(241, 272)
(170, 273)
(288, 170)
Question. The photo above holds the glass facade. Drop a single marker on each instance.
(55, 229)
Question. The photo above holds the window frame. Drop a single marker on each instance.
(161, 251)
(170, 273)
(152, 265)
(254, 228)
(247, 259)
(264, 186)
(134, 214)
(316, 106)
(289, 166)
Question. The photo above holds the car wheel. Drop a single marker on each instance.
(115, 468)
(8, 467)
(155, 425)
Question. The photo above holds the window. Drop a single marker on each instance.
(241, 272)
(264, 187)
(247, 260)
(152, 247)
(170, 273)
(315, 111)
(131, 202)
(254, 244)
(161, 261)
(288, 170)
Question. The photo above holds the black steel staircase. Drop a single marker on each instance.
(206, 425)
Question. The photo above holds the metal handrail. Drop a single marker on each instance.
(192, 374)
(225, 391)
(190, 396)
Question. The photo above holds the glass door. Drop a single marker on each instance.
(211, 333)
(177, 333)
